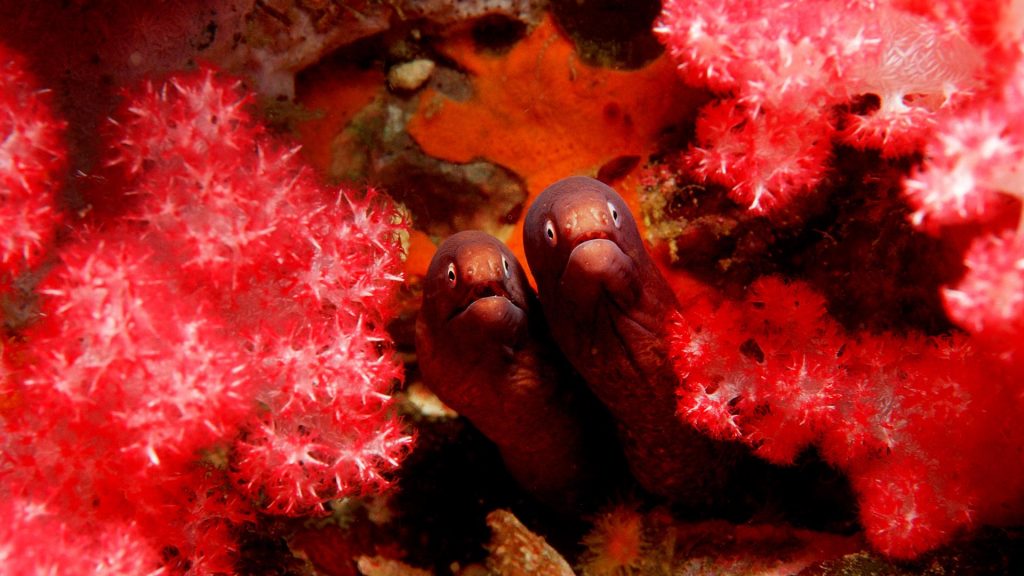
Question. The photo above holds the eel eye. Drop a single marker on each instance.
(504, 263)
(549, 232)
(451, 274)
(615, 215)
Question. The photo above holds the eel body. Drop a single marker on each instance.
(483, 348)
(607, 306)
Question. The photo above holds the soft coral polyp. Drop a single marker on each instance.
(758, 155)
(31, 157)
(210, 346)
(801, 68)
(923, 427)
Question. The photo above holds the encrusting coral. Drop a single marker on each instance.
(557, 115)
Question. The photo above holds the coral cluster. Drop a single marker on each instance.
(795, 77)
(972, 179)
(200, 339)
(31, 154)
(923, 427)
(921, 98)
(209, 346)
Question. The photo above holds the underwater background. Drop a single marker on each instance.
(221, 219)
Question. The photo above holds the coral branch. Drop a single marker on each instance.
(989, 301)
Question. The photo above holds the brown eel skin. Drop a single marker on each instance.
(607, 306)
(484, 350)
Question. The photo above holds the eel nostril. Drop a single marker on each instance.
(484, 290)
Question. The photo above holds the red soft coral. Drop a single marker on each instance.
(924, 427)
(792, 66)
(758, 155)
(198, 169)
(31, 155)
(228, 315)
(118, 339)
(939, 79)
(972, 167)
(726, 370)
(989, 300)
(36, 539)
(303, 277)
(324, 434)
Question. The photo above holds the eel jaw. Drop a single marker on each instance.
(481, 291)
(598, 267)
(489, 308)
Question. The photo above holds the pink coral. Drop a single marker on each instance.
(989, 300)
(213, 346)
(118, 338)
(31, 155)
(779, 374)
(758, 155)
(791, 66)
(35, 539)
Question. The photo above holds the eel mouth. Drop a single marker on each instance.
(588, 236)
(581, 240)
(481, 292)
(598, 268)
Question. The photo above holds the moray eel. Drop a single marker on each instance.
(607, 306)
(484, 350)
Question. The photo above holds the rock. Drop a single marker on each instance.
(515, 551)
(410, 75)
(381, 566)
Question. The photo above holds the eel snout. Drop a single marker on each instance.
(600, 266)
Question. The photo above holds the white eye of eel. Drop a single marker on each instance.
(452, 277)
(549, 233)
(615, 215)
(504, 263)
